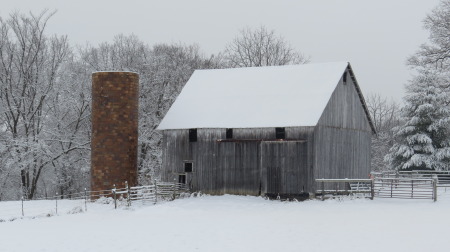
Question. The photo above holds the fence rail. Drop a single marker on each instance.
(406, 188)
(344, 187)
(381, 187)
(443, 177)
(150, 193)
(159, 191)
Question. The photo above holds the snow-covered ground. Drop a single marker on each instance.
(232, 223)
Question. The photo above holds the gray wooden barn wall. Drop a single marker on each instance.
(343, 136)
(284, 167)
(238, 167)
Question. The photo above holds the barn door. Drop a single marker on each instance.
(284, 167)
(271, 164)
(240, 165)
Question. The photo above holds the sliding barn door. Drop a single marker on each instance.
(283, 166)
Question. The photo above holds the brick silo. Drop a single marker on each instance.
(114, 129)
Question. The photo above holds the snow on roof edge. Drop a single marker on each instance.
(325, 83)
(361, 98)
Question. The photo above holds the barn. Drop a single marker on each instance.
(267, 130)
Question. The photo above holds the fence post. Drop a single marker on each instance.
(23, 214)
(156, 192)
(114, 196)
(85, 199)
(435, 181)
(392, 182)
(174, 187)
(56, 203)
(412, 188)
(128, 193)
(347, 187)
(372, 189)
(323, 191)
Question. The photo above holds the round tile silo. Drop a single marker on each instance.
(114, 129)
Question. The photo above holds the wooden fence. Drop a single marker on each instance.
(159, 191)
(344, 187)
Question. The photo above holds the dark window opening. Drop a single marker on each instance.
(182, 179)
(280, 133)
(192, 135)
(188, 167)
(344, 78)
(229, 133)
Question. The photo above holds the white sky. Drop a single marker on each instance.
(376, 37)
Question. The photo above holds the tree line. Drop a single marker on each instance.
(45, 95)
(416, 135)
(422, 140)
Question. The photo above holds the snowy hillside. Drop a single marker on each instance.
(235, 223)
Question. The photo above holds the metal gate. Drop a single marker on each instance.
(405, 188)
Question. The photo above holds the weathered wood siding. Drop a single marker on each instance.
(207, 175)
(285, 167)
(343, 136)
(241, 167)
(306, 133)
(176, 148)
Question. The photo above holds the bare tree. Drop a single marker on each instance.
(436, 54)
(30, 91)
(386, 116)
(261, 47)
(384, 112)
(69, 129)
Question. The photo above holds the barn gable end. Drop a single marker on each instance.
(345, 124)
(345, 108)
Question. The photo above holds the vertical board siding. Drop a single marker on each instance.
(347, 157)
(343, 136)
(285, 164)
(306, 133)
(254, 133)
(176, 149)
(236, 167)
(344, 109)
(208, 177)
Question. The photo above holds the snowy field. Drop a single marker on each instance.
(231, 223)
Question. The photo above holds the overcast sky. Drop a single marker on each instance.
(376, 37)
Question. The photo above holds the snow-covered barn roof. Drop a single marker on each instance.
(275, 96)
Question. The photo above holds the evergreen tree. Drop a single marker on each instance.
(423, 141)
